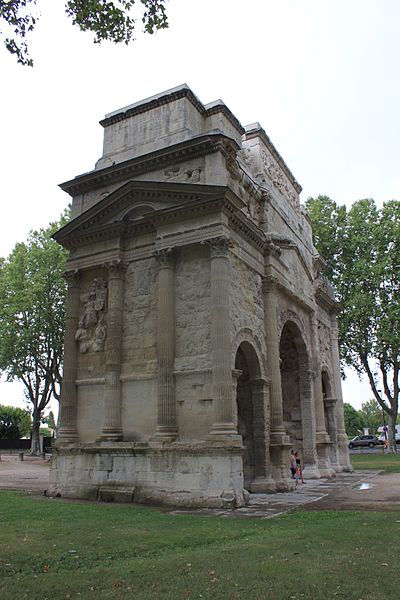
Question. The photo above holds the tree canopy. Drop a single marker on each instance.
(14, 422)
(362, 248)
(112, 20)
(32, 315)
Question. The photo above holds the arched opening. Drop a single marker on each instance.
(249, 399)
(295, 382)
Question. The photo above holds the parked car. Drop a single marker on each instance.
(365, 440)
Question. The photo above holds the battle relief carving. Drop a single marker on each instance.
(324, 343)
(278, 178)
(91, 333)
(184, 174)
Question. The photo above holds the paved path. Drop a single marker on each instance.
(354, 489)
(365, 490)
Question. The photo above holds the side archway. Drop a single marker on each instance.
(252, 404)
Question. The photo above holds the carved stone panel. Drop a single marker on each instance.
(324, 343)
(91, 332)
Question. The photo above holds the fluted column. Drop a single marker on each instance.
(341, 432)
(166, 402)
(273, 359)
(322, 437)
(308, 420)
(263, 481)
(112, 429)
(223, 418)
(68, 406)
(317, 381)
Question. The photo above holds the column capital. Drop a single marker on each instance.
(116, 268)
(165, 257)
(219, 246)
(72, 277)
(269, 284)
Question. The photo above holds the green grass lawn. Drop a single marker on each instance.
(54, 549)
(385, 462)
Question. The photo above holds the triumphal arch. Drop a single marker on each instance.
(201, 339)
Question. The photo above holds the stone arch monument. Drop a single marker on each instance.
(201, 337)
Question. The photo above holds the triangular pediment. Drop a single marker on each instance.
(135, 202)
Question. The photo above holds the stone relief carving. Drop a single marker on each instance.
(278, 178)
(324, 337)
(184, 174)
(91, 332)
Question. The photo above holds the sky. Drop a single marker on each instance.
(321, 76)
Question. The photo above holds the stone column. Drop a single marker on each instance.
(69, 400)
(279, 441)
(166, 401)
(308, 421)
(342, 439)
(278, 434)
(112, 429)
(263, 481)
(223, 417)
(330, 406)
(322, 437)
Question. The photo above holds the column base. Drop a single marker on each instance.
(262, 485)
(279, 438)
(110, 435)
(164, 433)
(66, 435)
(224, 431)
(311, 471)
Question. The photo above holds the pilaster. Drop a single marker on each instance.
(322, 437)
(68, 407)
(342, 439)
(223, 417)
(263, 481)
(166, 401)
(112, 429)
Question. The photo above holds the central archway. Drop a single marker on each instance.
(297, 395)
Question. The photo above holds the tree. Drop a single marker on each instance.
(14, 422)
(32, 315)
(371, 415)
(362, 249)
(352, 420)
(108, 19)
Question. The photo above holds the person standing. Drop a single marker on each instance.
(293, 465)
(299, 470)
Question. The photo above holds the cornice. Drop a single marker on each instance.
(191, 200)
(193, 148)
(171, 96)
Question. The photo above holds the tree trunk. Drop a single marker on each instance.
(392, 432)
(35, 439)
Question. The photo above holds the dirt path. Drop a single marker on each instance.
(31, 474)
(381, 491)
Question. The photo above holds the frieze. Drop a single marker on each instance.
(184, 174)
(91, 332)
(280, 181)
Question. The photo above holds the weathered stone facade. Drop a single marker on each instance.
(201, 339)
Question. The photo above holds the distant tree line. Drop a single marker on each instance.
(370, 416)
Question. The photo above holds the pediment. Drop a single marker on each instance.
(135, 203)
